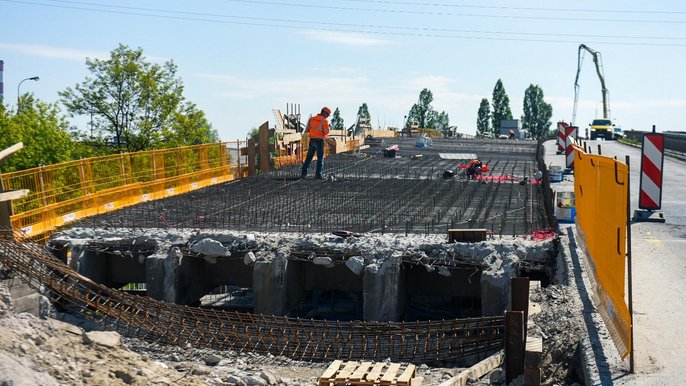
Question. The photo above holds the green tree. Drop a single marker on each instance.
(501, 107)
(136, 105)
(336, 120)
(253, 133)
(439, 121)
(43, 131)
(188, 127)
(420, 111)
(483, 128)
(537, 113)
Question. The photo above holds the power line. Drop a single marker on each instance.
(204, 14)
(269, 22)
(508, 8)
(560, 18)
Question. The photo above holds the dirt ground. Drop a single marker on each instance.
(52, 352)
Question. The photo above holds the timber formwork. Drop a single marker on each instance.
(367, 192)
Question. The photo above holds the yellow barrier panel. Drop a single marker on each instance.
(600, 189)
(72, 190)
(294, 159)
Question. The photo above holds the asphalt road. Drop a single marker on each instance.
(659, 276)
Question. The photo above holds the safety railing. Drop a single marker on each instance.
(68, 191)
(301, 152)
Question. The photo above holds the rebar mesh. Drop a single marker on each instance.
(366, 192)
(445, 341)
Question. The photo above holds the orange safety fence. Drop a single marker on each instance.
(301, 152)
(61, 193)
(600, 190)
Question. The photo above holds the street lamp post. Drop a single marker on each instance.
(19, 93)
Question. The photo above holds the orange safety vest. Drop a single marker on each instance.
(317, 127)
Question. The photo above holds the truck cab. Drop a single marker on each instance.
(602, 128)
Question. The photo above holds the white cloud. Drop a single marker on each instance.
(352, 39)
(54, 52)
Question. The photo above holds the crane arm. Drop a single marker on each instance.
(597, 60)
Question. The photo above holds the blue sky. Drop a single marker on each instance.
(239, 59)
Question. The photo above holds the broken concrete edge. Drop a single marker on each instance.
(497, 260)
(599, 360)
(372, 248)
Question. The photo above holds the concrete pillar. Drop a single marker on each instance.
(269, 286)
(383, 291)
(161, 273)
(495, 292)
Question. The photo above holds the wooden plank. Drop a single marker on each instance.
(13, 194)
(532, 377)
(417, 381)
(389, 375)
(406, 376)
(477, 371)
(361, 371)
(346, 372)
(533, 357)
(467, 235)
(330, 371)
(486, 366)
(263, 135)
(376, 370)
(514, 345)
(10, 150)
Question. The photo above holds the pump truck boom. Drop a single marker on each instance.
(601, 127)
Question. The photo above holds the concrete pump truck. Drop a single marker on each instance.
(600, 127)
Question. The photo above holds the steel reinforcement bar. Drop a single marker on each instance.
(445, 341)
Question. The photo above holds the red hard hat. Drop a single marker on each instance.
(326, 110)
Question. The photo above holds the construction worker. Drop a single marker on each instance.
(318, 129)
(474, 168)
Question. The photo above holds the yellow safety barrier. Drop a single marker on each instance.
(68, 191)
(294, 159)
(600, 190)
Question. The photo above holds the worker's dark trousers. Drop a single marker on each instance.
(316, 145)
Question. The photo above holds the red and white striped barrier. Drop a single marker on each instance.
(561, 136)
(652, 159)
(570, 136)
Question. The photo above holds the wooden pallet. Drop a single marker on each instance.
(342, 373)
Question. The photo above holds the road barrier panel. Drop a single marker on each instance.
(561, 137)
(570, 136)
(650, 188)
